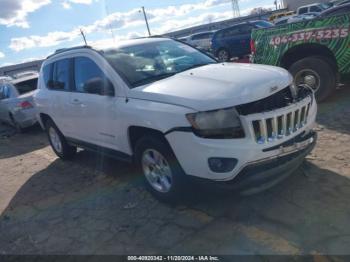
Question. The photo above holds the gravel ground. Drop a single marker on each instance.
(97, 205)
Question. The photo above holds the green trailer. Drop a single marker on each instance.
(316, 52)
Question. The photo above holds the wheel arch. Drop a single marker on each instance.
(137, 132)
(43, 118)
(302, 51)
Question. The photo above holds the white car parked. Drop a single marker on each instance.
(312, 8)
(16, 101)
(201, 40)
(177, 113)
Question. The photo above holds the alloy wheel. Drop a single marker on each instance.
(55, 140)
(157, 170)
(308, 77)
(223, 56)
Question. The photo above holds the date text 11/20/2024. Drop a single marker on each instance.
(320, 34)
(173, 258)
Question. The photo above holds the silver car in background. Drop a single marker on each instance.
(201, 40)
(16, 101)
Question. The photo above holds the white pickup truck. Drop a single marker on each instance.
(177, 113)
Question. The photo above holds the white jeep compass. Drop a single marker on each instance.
(177, 113)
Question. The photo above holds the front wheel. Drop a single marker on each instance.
(162, 173)
(316, 73)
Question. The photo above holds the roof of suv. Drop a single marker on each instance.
(240, 24)
(124, 43)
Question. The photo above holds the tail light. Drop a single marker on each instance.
(252, 46)
(25, 105)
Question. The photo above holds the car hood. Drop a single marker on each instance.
(216, 86)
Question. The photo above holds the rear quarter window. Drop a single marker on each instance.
(47, 73)
(26, 86)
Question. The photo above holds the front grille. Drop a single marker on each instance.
(268, 127)
(278, 100)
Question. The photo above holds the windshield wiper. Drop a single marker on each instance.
(152, 79)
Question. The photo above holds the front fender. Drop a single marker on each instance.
(149, 114)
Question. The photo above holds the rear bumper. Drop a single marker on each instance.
(26, 118)
(257, 177)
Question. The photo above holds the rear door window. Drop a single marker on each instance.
(61, 75)
(27, 86)
(303, 10)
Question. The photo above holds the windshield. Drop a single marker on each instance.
(324, 6)
(263, 24)
(148, 62)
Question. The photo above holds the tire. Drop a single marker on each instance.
(144, 149)
(223, 55)
(318, 68)
(58, 142)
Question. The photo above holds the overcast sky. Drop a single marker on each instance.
(32, 29)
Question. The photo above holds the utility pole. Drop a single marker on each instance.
(145, 16)
(235, 9)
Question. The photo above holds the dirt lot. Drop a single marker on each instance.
(96, 205)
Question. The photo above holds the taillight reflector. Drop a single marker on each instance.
(25, 105)
(252, 46)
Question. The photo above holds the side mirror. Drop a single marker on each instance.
(99, 86)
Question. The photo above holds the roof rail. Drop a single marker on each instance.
(62, 50)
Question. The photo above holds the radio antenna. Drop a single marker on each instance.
(83, 35)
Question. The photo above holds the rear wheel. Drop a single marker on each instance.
(58, 141)
(223, 55)
(162, 173)
(316, 73)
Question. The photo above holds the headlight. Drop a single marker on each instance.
(223, 123)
